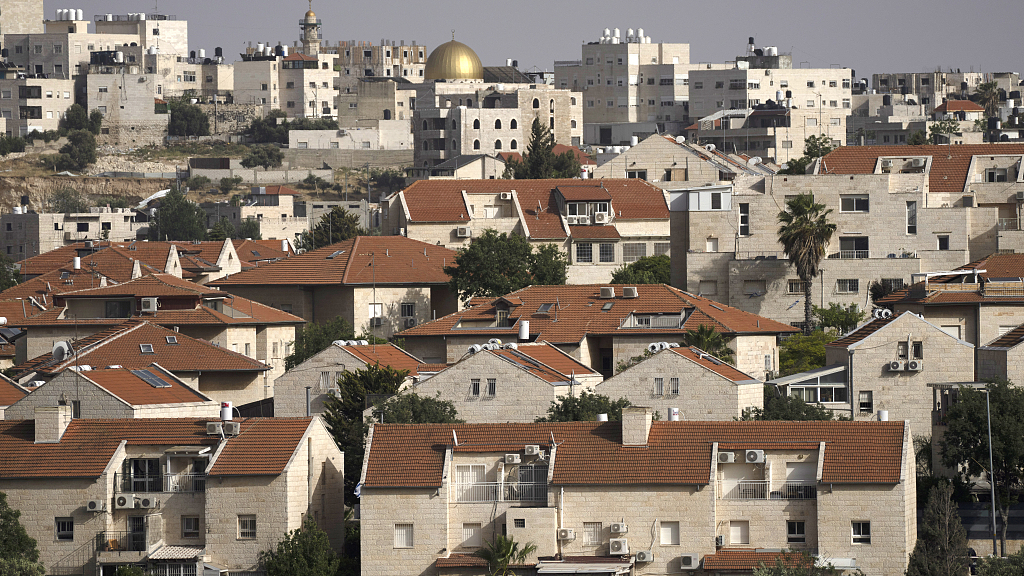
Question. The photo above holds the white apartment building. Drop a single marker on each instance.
(29, 234)
(363, 59)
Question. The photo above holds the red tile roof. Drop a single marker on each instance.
(553, 357)
(1008, 340)
(676, 453)
(862, 332)
(948, 173)
(709, 362)
(363, 260)
(131, 388)
(995, 266)
(749, 559)
(151, 285)
(260, 250)
(386, 355)
(584, 193)
(121, 345)
(579, 311)
(263, 447)
(299, 56)
(10, 392)
(595, 232)
(959, 106)
(525, 359)
(470, 561)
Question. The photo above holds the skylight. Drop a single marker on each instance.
(150, 378)
(607, 306)
(544, 308)
(335, 254)
(146, 348)
(172, 339)
(255, 253)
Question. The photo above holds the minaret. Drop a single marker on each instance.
(310, 32)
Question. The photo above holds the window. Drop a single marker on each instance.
(795, 532)
(592, 533)
(474, 387)
(633, 251)
(853, 203)
(866, 401)
(64, 529)
(787, 143)
(662, 248)
(670, 533)
(944, 242)
(917, 350)
(497, 144)
(744, 219)
(403, 536)
(472, 536)
(584, 252)
(861, 532)
(519, 522)
(812, 121)
(708, 288)
(408, 309)
(797, 286)
(146, 348)
(739, 532)
(673, 386)
(190, 526)
(659, 386)
(375, 310)
(497, 124)
(754, 287)
(912, 217)
(514, 145)
(607, 252)
(834, 121)
(492, 386)
(847, 285)
(246, 526)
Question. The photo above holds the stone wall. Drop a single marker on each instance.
(230, 118)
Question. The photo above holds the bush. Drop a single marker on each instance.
(266, 155)
(77, 154)
(197, 183)
(187, 119)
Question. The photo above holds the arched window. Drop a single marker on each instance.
(497, 124)
(572, 124)
(448, 103)
(476, 124)
(513, 145)
(469, 102)
(426, 144)
(497, 144)
(424, 124)
(552, 106)
(536, 103)
(572, 101)
(513, 124)
(455, 144)
(476, 144)
(387, 114)
(455, 125)
(552, 122)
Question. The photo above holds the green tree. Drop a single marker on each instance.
(941, 548)
(187, 119)
(227, 184)
(1012, 565)
(584, 408)
(504, 552)
(95, 121)
(20, 567)
(315, 337)
(112, 202)
(178, 218)
(965, 445)
(250, 228)
(343, 414)
(800, 353)
(624, 365)
(266, 155)
(879, 290)
(221, 231)
(987, 96)
(387, 178)
(10, 144)
(540, 161)
(804, 233)
(336, 226)
(15, 543)
(76, 118)
(77, 154)
(814, 147)
(797, 564)
(917, 138)
(411, 408)
(709, 340)
(942, 129)
(275, 126)
(199, 182)
(67, 201)
(306, 551)
(9, 275)
(495, 264)
(780, 407)
(839, 318)
(646, 270)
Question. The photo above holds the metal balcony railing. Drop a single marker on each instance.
(120, 541)
(500, 492)
(1008, 224)
(760, 490)
(164, 483)
(849, 254)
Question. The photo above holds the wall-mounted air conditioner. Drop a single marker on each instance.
(147, 502)
(566, 534)
(410, 322)
(915, 365)
(719, 540)
(629, 292)
(754, 456)
(607, 292)
(531, 450)
(619, 528)
(897, 365)
(572, 220)
(232, 428)
(214, 428)
(584, 220)
(618, 547)
(376, 322)
(149, 305)
(601, 217)
(463, 232)
(512, 459)
(124, 501)
(689, 561)
(726, 457)
(95, 506)
(506, 195)
(645, 556)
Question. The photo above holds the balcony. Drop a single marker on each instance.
(849, 254)
(647, 321)
(760, 255)
(120, 541)
(1008, 224)
(514, 492)
(760, 490)
(165, 483)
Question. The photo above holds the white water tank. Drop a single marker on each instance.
(79, 15)
(607, 32)
(616, 34)
(634, 140)
(259, 47)
(883, 415)
(119, 57)
(202, 52)
(673, 414)
(225, 411)
(284, 246)
(17, 209)
(640, 32)
(142, 16)
(524, 330)
(77, 263)
(602, 417)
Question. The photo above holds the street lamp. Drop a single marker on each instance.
(991, 469)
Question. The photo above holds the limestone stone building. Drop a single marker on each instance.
(133, 115)
(934, 88)
(28, 234)
(617, 497)
(10, 393)
(360, 60)
(172, 494)
(597, 325)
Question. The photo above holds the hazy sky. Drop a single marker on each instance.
(869, 36)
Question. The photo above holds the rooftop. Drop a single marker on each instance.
(151, 385)
(385, 355)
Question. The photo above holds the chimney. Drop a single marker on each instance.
(51, 422)
(636, 425)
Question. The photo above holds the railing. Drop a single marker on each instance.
(755, 255)
(759, 490)
(1008, 224)
(655, 321)
(75, 562)
(568, 62)
(164, 483)
(849, 254)
(120, 541)
(173, 570)
(500, 492)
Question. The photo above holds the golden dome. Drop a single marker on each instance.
(310, 16)
(453, 61)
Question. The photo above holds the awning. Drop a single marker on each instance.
(583, 567)
(809, 375)
(178, 553)
(187, 450)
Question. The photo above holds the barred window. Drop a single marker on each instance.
(633, 251)
(662, 248)
(659, 386)
(403, 536)
(847, 285)
(584, 252)
(64, 529)
(607, 252)
(247, 527)
(673, 384)
(592, 533)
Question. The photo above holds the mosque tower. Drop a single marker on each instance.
(310, 33)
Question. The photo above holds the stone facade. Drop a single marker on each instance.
(34, 233)
(126, 98)
(359, 60)
(34, 104)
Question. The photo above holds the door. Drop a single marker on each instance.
(469, 483)
(137, 533)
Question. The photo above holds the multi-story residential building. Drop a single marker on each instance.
(600, 224)
(934, 88)
(21, 17)
(28, 234)
(298, 84)
(176, 495)
(34, 104)
(599, 326)
(900, 211)
(379, 284)
(621, 497)
(372, 100)
(273, 207)
(125, 95)
(365, 60)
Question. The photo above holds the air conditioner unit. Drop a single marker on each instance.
(512, 459)
(917, 162)
(619, 528)
(1020, 196)
(897, 365)
(410, 322)
(644, 556)
(726, 457)
(601, 217)
(531, 450)
(719, 540)
(376, 322)
(124, 501)
(232, 428)
(584, 220)
(95, 506)
(689, 561)
(618, 547)
(566, 534)
(755, 457)
(886, 163)
(607, 292)
(214, 428)
(149, 304)
(463, 232)
(629, 292)
(506, 195)
(915, 365)
(147, 502)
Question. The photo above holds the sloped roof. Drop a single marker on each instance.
(10, 392)
(676, 452)
(1009, 340)
(862, 332)
(263, 447)
(150, 285)
(749, 559)
(593, 232)
(959, 106)
(991, 268)
(553, 357)
(299, 56)
(130, 387)
(713, 364)
(361, 260)
(578, 311)
(254, 250)
(386, 355)
(49, 261)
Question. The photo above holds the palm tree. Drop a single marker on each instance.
(709, 340)
(988, 97)
(804, 234)
(502, 552)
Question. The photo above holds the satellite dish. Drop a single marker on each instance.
(61, 351)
